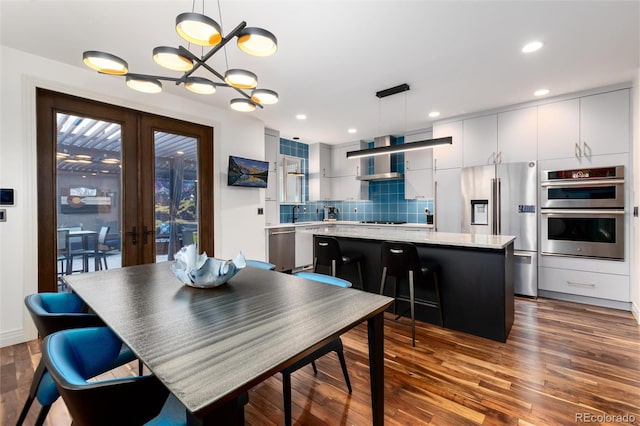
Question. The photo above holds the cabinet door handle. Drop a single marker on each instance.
(324, 172)
(283, 232)
(577, 151)
(586, 150)
(492, 158)
(435, 164)
(579, 284)
(407, 165)
(499, 157)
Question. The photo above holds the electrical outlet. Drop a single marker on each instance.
(355, 210)
(260, 211)
(3, 215)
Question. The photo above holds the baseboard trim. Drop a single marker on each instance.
(13, 337)
(605, 303)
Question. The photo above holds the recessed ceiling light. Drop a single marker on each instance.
(541, 92)
(301, 117)
(434, 114)
(352, 131)
(180, 152)
(532, 46)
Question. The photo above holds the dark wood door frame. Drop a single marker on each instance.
(137, 149)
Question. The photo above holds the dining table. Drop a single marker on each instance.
(211, 346)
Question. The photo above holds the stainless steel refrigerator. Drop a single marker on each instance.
(501, 199)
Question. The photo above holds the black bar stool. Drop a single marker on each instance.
(401, 260)
(327, 253)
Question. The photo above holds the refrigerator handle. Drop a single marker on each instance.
(498, 207)
(435, 205)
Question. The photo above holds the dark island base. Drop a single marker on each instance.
(476, 285)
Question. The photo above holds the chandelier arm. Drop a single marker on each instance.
(221, 77)
(157, 77)
(211, 52)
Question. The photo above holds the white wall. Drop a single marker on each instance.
(236, 223)
(635, 263)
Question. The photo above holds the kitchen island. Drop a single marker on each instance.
(476, 274)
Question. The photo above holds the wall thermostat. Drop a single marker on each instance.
(6, 197)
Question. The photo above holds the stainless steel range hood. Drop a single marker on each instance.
(381, 163)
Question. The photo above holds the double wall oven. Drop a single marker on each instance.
(583, 212)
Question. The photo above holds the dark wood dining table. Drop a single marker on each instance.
(210, 346)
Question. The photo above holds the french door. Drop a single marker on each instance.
(117, 187)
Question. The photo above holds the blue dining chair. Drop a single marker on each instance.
(333, 346)
(260, 264)
(73, 356)
(52, 312)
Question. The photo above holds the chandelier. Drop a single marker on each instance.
(199, 29)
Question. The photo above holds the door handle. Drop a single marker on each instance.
(145, 234)
(134, 235)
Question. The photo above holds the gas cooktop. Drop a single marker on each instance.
(382, 222)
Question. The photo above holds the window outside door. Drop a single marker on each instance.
(117, 187)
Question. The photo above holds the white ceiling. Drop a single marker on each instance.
(458, 57)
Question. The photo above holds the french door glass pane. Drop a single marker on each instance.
(176, 193)
(89, 194)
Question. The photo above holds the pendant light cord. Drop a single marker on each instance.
(224, 48)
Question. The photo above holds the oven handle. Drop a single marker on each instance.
(552, 212)
(595, 182)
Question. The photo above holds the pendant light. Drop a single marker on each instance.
(242, 79)
(264, 96)
(200, 85)
(198, 29)
(257, 42)
(144, 84)
(242, 105)
(105, 63)
(171, 58)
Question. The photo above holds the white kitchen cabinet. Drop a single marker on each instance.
(319, 172)
(585, 127)
(272, 148)
(447, 200)
(448, 156)
(348, 188)
(418, 168)
(421, 159)
(271, 154)
(582, 283)
(418, 184)
(340, 164)
(304, 245)
(518, 135)
(604, 123)
(271, 212)
(343, 182)
(480, 140)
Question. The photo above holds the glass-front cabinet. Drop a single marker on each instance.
(291, 180)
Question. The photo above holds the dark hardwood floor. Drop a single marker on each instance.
(562, 363)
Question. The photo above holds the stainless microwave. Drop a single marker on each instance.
(601, 187)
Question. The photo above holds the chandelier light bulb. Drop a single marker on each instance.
(264, 96)
(241, 79)
(198, 29)
(171, 58)
(105, 62)
(144, 84)
(242, 105)
(200, 85)
(257, 42)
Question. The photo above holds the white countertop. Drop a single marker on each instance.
(421, 237)
(346, 222)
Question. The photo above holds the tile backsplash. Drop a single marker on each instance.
(386, 198)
